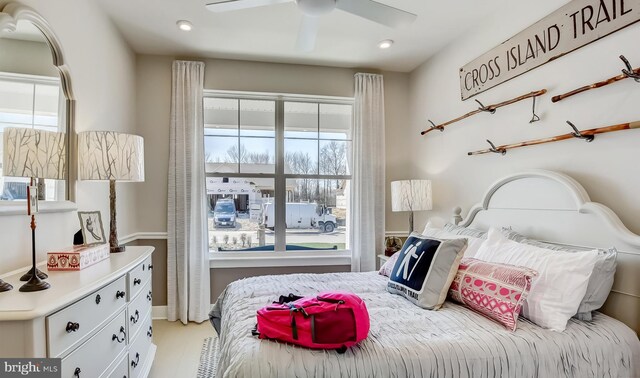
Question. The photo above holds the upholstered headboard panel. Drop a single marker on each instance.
(553, 207)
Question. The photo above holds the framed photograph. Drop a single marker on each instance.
(91, 226)
(32, 200)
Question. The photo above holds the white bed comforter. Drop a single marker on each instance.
(407, 341)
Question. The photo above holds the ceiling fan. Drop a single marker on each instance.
(313, 9)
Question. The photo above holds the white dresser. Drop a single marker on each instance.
(98, 320)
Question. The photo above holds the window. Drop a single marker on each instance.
(278, 172)
(30, 102)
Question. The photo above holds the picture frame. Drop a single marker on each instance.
(91, 227)
(32, 200)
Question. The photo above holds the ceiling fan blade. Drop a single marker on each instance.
(308, 33)
(232, 5)
(377, 12)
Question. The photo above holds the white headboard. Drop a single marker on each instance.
(553, 207)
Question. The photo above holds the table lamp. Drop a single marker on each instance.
(411, 195)
(36, 154)
(111, 156)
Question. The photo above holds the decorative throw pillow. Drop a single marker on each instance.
(387, 267)
(425, 268)
(561, 283)
(601, 279)
(496, 291)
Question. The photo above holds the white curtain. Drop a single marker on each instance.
(367, 220)
(188, 297)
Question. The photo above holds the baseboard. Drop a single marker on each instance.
(159, 312)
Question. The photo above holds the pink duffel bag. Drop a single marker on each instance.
(331, 320)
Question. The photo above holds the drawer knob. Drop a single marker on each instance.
(98, 299)
(116, 338)
(134, 319)
(120, 294)
(150, 266)
(72, 327)
(149, 296)
(135, 363)
(137, 281)
(76, 373)
(150, 331)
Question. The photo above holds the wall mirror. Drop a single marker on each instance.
(35, 93)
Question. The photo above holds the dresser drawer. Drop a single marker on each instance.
(93, 357)
(122, 368)
(138, 277)
(138, 309)
(139, 348)
(73, 324)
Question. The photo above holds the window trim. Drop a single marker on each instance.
(241, 259)
(280, 178)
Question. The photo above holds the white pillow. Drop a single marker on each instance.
(561, 283)
(473, 244)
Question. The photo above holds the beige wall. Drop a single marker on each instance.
(607, 167)
(26, 57)
(102, 70)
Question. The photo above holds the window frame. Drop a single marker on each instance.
(280, 257)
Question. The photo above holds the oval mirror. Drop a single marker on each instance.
(34, 95)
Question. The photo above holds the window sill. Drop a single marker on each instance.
(276, 259)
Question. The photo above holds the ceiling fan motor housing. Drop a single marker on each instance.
(316, 8)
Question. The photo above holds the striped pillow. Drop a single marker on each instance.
(496, 291)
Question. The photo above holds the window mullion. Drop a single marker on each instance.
(280, 181)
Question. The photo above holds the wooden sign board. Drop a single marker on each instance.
(576, 24)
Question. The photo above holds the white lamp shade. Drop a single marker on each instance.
(108, 155)
(411, 195)
(34, 153)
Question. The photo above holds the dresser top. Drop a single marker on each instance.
(66, 286)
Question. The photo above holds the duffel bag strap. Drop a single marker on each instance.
(288, 298)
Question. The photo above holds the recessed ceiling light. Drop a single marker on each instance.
(184, 25)
(385, 44)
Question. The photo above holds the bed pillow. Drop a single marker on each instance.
(425, 268)
(473, 242)
(600, 282)
(496, 291)
(561, 283)
(459, 230)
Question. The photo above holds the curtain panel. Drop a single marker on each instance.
(368, 198)
(188, 289)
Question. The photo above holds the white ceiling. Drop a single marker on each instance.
(269, 33)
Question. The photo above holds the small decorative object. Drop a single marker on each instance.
(111, 156)
(91, 227)
(627, 73)
(392, 245)
(77, 257)
(411, 195)
(587, 135)
(35, 154)
(488, 109)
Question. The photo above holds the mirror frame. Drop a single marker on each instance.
(10, 14)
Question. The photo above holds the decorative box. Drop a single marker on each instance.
(77, 257)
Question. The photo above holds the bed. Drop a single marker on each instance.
(407, 341)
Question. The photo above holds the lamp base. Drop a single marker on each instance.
(35, 284)
(27, 276)
(4, 286)
(118, 249)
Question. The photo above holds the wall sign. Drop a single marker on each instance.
(576, 24)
